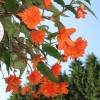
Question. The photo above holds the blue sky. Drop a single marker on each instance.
(87, 28)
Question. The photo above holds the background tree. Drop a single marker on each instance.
(84, 79)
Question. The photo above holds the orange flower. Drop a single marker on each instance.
(80, 12)
(13, 83)
(63, 36)
(38, 36)
(36, 60)
(44, 79)
(73, 49)
(35, 77)
(56, 69)
(24, 90)
(49, 89)
(77, 50)
(31, 17)
(52, 89)
(47, 3)
(63, 88)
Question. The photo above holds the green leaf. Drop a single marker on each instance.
(24, 29)
(79, 2)
(88, 1)
(50, 50)
(72, 9)
(11, 32)
(61, 2)
(1, 50)
(27, 3)
(18, 63)
(11, 5)
(7, 60)
(5, 56)
(7, 23)
(38, 3)
(45, 70)
(56, 12)
(9, 27)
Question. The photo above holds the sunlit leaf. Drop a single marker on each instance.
(10, 28)
(18, 63)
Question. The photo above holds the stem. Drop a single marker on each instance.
(40, 50)
(71, 2)
(29, 67)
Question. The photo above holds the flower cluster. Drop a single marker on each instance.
(39, 37)
(46, 87)
(73, 49)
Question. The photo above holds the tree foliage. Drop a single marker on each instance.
(84, 79)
